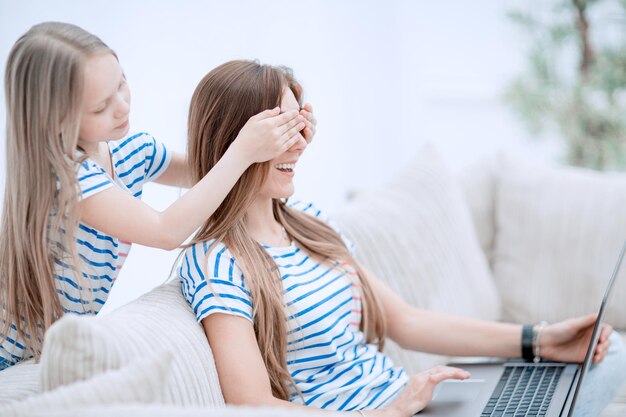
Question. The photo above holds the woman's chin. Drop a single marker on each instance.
(284, 194)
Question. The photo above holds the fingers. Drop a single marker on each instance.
(604, 343)
(310, 121)
(296, 122)
(588, 320)
(600, 352)
(286, 117)
(419, 390)
(580, 324)
(308, 134)
(607, 329)
(291, 141)
(309, 131)
(441, 373)
(265, 114)
(307, 112)
(292, 132)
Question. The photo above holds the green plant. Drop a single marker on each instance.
(576, 78)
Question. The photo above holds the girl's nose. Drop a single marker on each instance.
(123, 105)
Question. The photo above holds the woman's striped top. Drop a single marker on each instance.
(327, 356)
(136, 160)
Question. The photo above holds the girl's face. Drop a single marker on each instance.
(106, 101)
(279, 182)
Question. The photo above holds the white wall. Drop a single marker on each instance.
(384, 77)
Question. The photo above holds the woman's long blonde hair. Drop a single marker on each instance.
(44, 96)
(222, 103)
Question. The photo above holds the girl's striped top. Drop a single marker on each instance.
(327, 356)
(136, 160)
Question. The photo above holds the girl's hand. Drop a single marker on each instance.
(419, 390)
(268, 134)
(310, 121)
(568, 340)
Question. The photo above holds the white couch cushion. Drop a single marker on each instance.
(478, 183)
(141, 382)
(19, 381)
(416, 234)
(558, 234)
(140, 410)
(77, 348)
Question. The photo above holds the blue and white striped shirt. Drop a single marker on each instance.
(327, 355)
(136, 160)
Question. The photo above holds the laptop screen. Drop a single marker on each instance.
(596, 329)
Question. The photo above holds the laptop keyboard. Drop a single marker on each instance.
(523, 391)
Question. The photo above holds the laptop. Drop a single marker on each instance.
(516, 388)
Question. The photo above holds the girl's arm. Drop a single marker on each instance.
(178, 172)
(119, 214)
(244, 379)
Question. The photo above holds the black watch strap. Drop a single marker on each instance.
(527, 342)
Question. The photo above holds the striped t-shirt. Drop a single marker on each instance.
(136, 160)
(327, 356)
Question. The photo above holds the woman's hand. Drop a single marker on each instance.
(568, 340)
(268, 134)
(310, 121)
(419, 390)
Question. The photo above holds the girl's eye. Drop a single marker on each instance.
(99, 111)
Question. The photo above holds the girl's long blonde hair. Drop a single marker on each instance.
(44, 97)
(222, 103)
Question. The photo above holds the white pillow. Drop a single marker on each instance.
(19, 381)
(478, 182)
(77, 348)
(140, 382)
(416, 234)
(558, 234)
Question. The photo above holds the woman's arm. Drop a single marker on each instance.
(445, 334)
(244, 379)
(240, 367)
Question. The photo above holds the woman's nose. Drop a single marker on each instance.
(300, 144)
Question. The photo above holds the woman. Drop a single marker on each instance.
(292, 318)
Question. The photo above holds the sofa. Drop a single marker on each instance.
(504, 239)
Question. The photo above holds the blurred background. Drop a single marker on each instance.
(543, 79)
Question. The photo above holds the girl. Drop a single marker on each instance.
(291, 317)
(74, 180)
